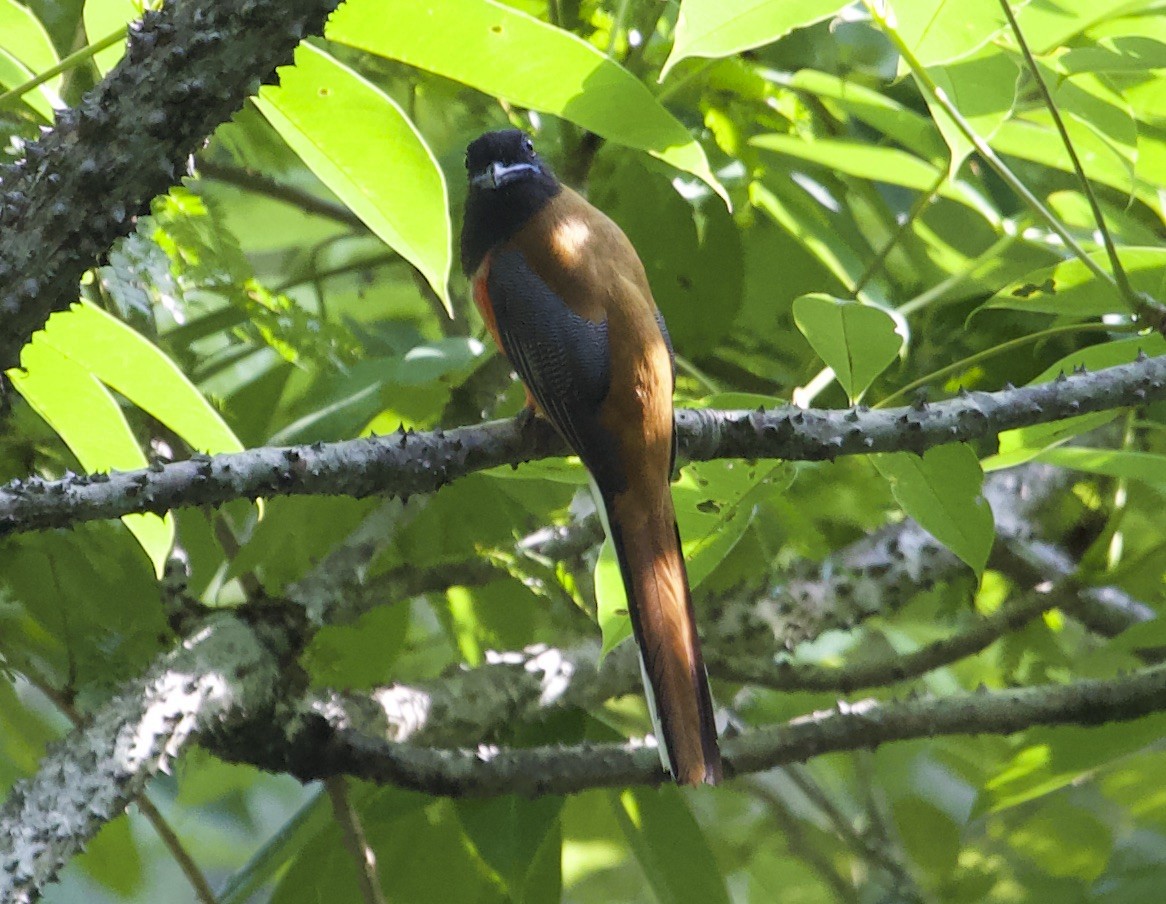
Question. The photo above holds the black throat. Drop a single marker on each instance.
(494, 215)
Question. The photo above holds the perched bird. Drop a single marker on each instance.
(565, 296)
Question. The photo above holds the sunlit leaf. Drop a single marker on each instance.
(939, 31)
(126, 361)
(1070, 289)
(717, 28)
(90, 422)
(326, 112)
(24, 37)
(504, 52)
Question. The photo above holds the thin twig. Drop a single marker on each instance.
(194, 876)
(356, 842)
(260, 184)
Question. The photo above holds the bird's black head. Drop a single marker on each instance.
(498, 159)
(509, 183)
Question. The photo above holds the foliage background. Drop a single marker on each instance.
(296, 280)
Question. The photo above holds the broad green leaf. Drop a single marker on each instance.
(939, 31)
(1105, 354)
(715, 504)
(1034, 138)
(719, 28)
(1070, 289)
(126, 361)
(1121, 53)
(878, 164)
(23, 36)
(931, 837)
(510, 834)
(904, 126)
(857, 341)
(942, 491)
(504, 52)
(1053, 758)
(1148, 467)
(361, 145)
(669, 845)
(90, 422)
(104, 17)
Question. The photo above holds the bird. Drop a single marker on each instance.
(565, 296)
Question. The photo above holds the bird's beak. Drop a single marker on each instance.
(499, 174)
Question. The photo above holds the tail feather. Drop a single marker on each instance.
(647, 543)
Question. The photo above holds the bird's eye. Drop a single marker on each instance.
(528, 145)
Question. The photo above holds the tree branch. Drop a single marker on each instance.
(407, 464)
(91, 776)
(79, 187)
(319, 745)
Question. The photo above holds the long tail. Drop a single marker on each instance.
(643, 529)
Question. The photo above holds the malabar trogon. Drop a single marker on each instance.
(565, 296)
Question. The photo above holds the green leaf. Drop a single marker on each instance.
(103, 17)
(1025, 443)
(930, 836)
(1070, 289)
(1147, 467)
(719, 28)
(669, 845)
(523, 61)
(983, 88)
(812, 225)
(14, 73)
(125, 360)
(113, 859)
(23, 36)
(90, 422)
(611, 601)
(715, 504)
(942, 491)
(857, 341)
(912, 130)
(510, 834)
(326, 113)
(939, 31)
(879, 164)
(1105, 354)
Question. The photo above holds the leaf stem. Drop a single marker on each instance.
(939, 96)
